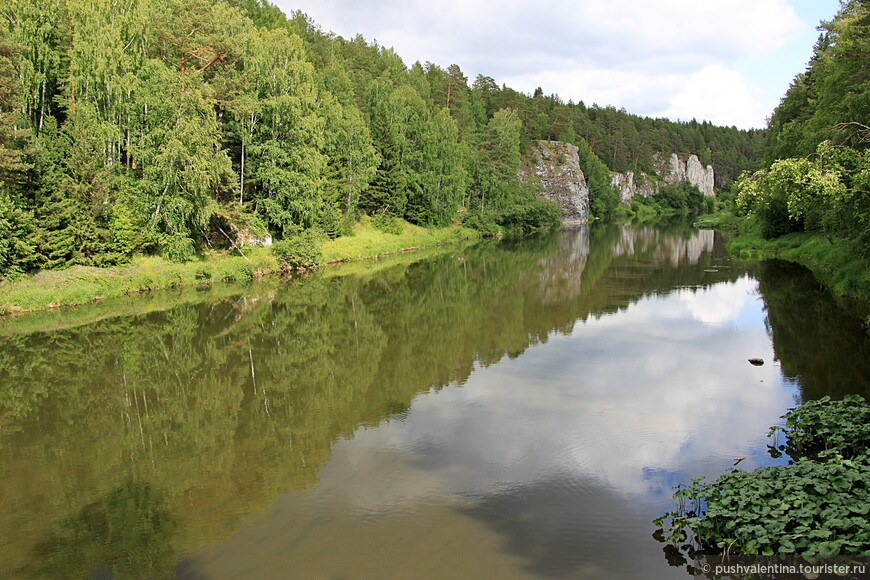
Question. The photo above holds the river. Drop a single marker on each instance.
(519, 409)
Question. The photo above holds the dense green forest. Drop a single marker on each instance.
(169, 126)
(818, 163)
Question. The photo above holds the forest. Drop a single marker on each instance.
(169, 126)
(814, 194)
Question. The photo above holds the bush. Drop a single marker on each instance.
(643, 206)
(822, 428)
(806, 508)
(484, 224)
(817, 505)
(176, 247)
(774, 218)
(683, 197)
(301, 250)
(390, 225)
(530, 213)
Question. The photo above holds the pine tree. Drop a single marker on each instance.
(386, 195)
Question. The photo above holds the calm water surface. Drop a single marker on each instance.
(513, 410)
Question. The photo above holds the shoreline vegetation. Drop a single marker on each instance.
(80, 285)
(188, 126)
(810, 204)
(837, 263)
(816, 506)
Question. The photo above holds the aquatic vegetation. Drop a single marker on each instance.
(815, 506)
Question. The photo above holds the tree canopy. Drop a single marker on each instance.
(146, 126)
(818, 175)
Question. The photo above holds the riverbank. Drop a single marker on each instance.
(83, 284)
(836, 263)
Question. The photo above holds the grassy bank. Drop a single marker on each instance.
(721, 220)
(368, 242)
(83, 285)
(837, 263)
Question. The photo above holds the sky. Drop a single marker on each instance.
(724, 61)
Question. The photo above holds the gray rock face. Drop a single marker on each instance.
(629, 187)
(672, 170)
(557, 166)
(670, 167)
(624, 182)
(699, 176)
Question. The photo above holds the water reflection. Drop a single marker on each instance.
(130, 528)
(336, 425)
(686, 248)
(820, 345)
(561, 452)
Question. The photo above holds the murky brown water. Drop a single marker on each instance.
(513, 410)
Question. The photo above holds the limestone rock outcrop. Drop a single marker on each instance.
(672, 169)
(700, 176)
(630, 187)
(557, 166)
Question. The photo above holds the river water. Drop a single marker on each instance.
(518, 409)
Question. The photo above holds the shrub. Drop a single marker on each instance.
(484, 224)
(683, 196)
(301, 250)
(390, 225)
(177, 247)
(818, 429)
(530, 213)
(806, 508)
(817, 505)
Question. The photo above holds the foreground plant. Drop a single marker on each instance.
(806, 508)
(816, 506)
(817, 429)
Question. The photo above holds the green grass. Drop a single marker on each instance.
(82, 284)
(836, 262)
(369, 242)
(721, 220)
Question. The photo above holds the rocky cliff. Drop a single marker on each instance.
(673, 169)
(629, 186)
(557, 166)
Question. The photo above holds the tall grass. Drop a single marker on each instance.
(83, 284)
(368, 242)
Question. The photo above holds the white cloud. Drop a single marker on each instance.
(720, 95)
(713, 28)
(629, 89)
(722, 306)
(678, 58)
